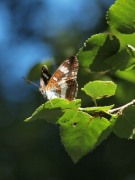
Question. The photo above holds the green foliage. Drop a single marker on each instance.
(125, 124)
(121, 16)
(52, 110)
(98, 49)
(113, 50)
(82, 129)
(99, 89)
(80, 132)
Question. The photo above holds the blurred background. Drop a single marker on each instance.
(32, 32)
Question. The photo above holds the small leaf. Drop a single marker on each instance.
(124, 125)
(80, 132)
(100, 89)
(52, 110)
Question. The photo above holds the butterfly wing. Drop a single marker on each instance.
(63, 82)
(44, 79)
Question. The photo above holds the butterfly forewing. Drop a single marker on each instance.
(44, 79)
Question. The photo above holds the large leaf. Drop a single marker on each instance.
(99, 89)
(121, 16)
(80, 132)
(52, 110)
(96, 50)
(124, 126)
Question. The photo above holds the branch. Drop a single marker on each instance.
(111, 111)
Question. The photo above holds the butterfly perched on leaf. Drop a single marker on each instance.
(63, 83)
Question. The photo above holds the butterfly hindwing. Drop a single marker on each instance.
(63, 82)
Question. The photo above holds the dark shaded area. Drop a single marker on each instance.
(33, 32)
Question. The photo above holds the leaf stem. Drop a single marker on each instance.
(120, 109)
(94, 100)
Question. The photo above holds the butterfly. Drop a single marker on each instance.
(63, 83)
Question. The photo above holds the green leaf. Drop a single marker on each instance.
(112, 51)
(100, 89)
(109, 49)
(81, 133)
(116, 53)
(122, 61)
(62, 103)
(124, 125)
(52, 110)
(121, 16)
(96, 50)
(89, 51)
(126, 41)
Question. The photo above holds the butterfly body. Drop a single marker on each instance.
(62, 84)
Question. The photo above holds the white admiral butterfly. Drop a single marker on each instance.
(62, 84)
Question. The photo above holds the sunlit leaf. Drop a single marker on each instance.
(121, 16)
(52, 110)
(100, 89)
(81, 133)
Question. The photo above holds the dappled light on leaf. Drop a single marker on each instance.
(121, 16)
(53, 109)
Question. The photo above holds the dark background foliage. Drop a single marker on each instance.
(32, 32)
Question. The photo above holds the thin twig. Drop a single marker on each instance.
(111, 111)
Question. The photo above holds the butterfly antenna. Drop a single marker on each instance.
(30, 82)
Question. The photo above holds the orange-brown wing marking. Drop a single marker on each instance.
(65, 72)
